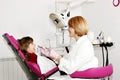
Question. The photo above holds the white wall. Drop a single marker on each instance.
(31, 17)
(103, 16)
(25, 17)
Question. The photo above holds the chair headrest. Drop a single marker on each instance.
(15, 44)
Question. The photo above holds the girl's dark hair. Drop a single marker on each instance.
(24, 43)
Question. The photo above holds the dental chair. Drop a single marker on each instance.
(33, 71)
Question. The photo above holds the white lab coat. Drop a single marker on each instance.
(80, 57)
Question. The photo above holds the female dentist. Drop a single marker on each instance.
(81, 56)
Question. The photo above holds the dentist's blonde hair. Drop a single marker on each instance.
(79, 24)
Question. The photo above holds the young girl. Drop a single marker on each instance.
(27, 46)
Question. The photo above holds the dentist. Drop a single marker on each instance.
(81, 56)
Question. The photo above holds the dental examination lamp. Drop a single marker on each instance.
(59, 19)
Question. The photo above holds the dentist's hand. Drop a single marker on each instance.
(54, 55)
(50, 53)
(45, 51)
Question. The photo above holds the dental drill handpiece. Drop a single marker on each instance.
(42, 47)
(101, 38)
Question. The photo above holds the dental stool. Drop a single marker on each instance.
(94, 73)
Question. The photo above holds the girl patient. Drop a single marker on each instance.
(27, 46)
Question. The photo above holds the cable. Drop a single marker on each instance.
(105, 63)
(63, 36)
(103, 56)
(67, 50)
(107, 60)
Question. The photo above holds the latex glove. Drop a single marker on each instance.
(50, 53)
(53, 54)
(45, 51)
